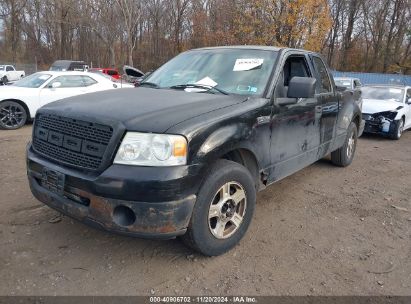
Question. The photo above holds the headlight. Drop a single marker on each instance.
(146, 149)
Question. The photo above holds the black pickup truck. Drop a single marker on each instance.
(185, 153)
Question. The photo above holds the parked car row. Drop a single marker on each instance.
(20, 101)
(22, 97)
(131, 74)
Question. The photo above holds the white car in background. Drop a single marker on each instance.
(19, 102)
(386, 109)
(8, 73)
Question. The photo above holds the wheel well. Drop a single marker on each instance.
(247, 159)
(22, 104)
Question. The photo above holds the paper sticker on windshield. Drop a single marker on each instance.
(207, 81)
(44, 77)
(247, 64)
(395, 90)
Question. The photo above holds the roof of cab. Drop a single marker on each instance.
(252, 47)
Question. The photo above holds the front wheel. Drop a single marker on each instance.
(4, 80)
(343, 156)
(399, 128)
(12, 115)
(223, 210)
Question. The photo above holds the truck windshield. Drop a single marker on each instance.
(382, 93)
(32, 81)
(233, 71)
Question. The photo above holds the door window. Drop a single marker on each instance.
(294, 66)
(325, 84)
(9, 69)
(88, 81)
(357, 83)
(408, 95)
(73, 81)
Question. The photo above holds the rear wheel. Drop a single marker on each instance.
(12, 115)
(223, 210)
(398, 129)
(343, 156)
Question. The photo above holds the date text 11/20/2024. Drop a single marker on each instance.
(204, 299)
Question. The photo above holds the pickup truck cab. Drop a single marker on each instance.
(185, 153)
(8, 74)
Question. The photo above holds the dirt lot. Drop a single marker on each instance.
(324, 230)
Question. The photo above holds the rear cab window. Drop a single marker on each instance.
(324, 85)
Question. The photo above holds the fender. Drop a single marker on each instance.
(229, 138)
(348, 111)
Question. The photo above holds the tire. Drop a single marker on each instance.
(343, 156)
(212, 230)
(4, 80)
(12, 115)
(399, 129)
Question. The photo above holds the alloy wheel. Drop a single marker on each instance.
(12, 115)
(351, 146)
(227, 210)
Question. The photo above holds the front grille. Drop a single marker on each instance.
(71, 141)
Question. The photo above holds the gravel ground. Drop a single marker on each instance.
(322, 231)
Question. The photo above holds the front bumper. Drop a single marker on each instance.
(136, 201)
(384, 127)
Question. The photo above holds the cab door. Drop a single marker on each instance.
(295, 129)
(329, 102)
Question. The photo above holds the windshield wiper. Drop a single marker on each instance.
(199, 86)
(148, 83)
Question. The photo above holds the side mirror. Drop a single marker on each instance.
(301, 87)
(55, 85)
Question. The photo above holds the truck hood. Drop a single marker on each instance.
(141, 109)
(371, 106)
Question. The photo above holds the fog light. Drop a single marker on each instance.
(123, 216)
